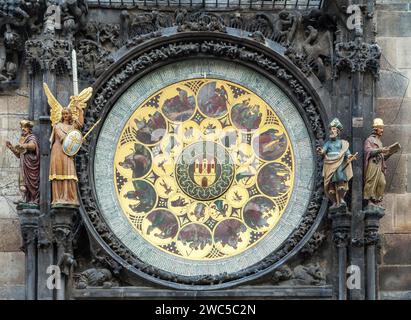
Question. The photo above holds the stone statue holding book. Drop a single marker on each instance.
(375, 155)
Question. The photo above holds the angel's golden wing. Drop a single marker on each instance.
(80, 101)
(56, 107)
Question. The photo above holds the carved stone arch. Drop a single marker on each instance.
(146, 58)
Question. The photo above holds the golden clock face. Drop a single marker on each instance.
(204, 169)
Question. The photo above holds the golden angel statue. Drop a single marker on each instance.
(65, 141)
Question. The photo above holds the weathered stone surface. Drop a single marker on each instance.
(12, 268)
(10, 235)
(396, 6)
(396, 175)
(403, 53)
(409, 173)
(394, 110)
(397, 278)
(395, 295)
(7, 158)
(392, 83)
(9, 183)
(396, 250)
(398, 133)
(407, 74)
(402, 217)
(397, 217)
(389, 48)
(387, 222)
(12, 121)
(18, 104)
(394, 23)
(12, 292)
(7, 207)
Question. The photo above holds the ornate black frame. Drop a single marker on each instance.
(163, 50)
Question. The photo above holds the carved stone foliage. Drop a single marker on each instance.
(141, 38)
(372, 215)
(48, 55)
(97, 42)
(198, 21)
(106, 35)
(357, 57)
(93, 59)
(143, 23)
(29, 27)
(341, 226)
(18, 20)
(313, 244)
(308, 38)
(186, 49)
(29, 226)
(311, 274)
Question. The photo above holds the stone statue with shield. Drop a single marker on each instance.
(65, 140)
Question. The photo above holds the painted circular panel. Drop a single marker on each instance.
(203, 176)
(210, 167)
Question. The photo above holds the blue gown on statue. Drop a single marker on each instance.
(332, 149)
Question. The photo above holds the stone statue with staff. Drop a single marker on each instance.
(337, 170)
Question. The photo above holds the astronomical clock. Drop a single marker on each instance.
(203, 168)
(198, 163)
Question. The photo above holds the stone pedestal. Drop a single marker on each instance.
(341, 228)
(63, 218)
(372, 216)
(29, 215)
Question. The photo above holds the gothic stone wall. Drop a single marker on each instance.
(14, 106)
(394, 36)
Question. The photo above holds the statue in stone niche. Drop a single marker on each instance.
(337, 170)
(375, 155)
(62, 174)
(27, 150)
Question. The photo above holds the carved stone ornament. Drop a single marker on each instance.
(94, 278)
(357, 57)
(222, 48)
(48, 55)
(307, 36)
(313, 244)
(311, 274)
(341, 226)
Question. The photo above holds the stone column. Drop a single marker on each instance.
(43, 57)
(372, 216)
(63, 217)
(29, 228)
(341, 231)
(358, 57)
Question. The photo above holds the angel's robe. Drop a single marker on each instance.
(62, 174)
